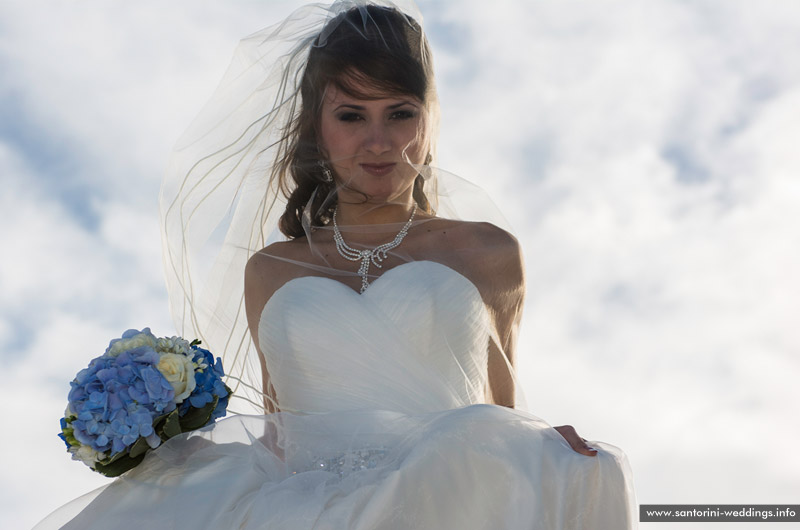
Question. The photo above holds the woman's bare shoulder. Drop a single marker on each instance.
(475, 233)
(269, 268)
(500, 262)
(276, 255)
(486, 254)
(491, 236)
(484, 244)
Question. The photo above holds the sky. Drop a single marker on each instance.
(644, 152)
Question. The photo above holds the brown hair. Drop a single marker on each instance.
(375, 46)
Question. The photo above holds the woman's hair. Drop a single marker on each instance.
(373, 46)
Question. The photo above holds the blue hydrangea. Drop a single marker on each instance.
(208, 384)
(116, 399)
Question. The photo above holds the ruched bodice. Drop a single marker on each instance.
(415, 341)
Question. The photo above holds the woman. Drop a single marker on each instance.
(383, 323)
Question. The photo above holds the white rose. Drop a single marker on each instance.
(179, 371)
(173, 345)
(121, 345)
(86, 454)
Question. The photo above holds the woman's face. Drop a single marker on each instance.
(371, 144)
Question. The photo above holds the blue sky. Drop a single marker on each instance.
(645, 154)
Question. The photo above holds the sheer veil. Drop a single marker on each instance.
(223, 197)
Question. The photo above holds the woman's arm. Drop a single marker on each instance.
(506, 276)
(508, 295)
(257, 290)
(493, 261)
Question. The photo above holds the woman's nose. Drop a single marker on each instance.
(378, 140)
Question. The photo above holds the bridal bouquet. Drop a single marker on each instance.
(142, 391)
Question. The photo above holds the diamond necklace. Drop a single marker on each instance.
(374, 256)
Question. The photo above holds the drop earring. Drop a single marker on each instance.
(327, 176)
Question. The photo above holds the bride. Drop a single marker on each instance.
(374, 327)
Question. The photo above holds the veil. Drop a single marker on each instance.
(226, 190)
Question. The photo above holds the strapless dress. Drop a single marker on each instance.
(389, 430)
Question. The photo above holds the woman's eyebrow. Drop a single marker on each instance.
(349, 106)
(361, 107)
(404, 102)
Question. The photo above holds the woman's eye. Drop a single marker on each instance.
(402, 115)
(349, 116)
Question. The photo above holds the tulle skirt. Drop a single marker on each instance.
(476, 467)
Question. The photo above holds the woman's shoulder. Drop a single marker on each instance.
(279, 252)
(474, 232)
(488, 255)
(487, 235)
(480, 239)
(500, 260)
(271, 267)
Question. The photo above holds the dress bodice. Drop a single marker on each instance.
(415, 341)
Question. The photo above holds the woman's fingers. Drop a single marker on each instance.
(576, 442)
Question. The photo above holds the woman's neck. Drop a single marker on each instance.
(373, 214)
(369, 225)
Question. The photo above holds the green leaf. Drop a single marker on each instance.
(171, 426)
(139, 447)
(118, 465)
(114, 458)
(196, 342)
(160, 418)
(69, 436)
(197, 418)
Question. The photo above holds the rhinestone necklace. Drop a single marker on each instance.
(374, 256)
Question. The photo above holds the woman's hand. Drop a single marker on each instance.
(576, 442)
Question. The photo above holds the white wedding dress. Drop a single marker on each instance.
(394, 433)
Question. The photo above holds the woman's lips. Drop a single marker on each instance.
(378, 170)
